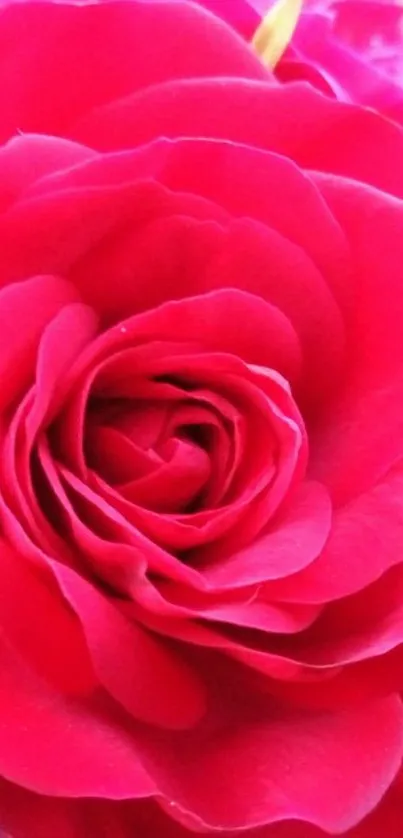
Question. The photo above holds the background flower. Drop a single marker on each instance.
(350, 49)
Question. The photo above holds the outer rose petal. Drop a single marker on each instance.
(293, 120)
(362, 627)
(29, 305)
(372, 527)
(51, 227)
(270, 756)
(99, 757)
(242, 15)
(355, 448)
(117, 46)
(354, 453)
(25, 814)
(29, 711)
(385, 820)
(66, 665)
(150, 680)
(293, 540)
(27, 158)
(298, 268)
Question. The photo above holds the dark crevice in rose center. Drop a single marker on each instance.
(177, 381)
(46, 497)
(198, 434)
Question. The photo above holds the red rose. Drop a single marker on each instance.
(201, 478)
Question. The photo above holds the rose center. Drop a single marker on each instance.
(168, 456)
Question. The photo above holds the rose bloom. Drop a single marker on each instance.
(201, 405)
(348, 49)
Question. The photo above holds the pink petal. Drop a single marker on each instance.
(24, 814)
(365, 541)
(116, 47)
(350, 447)
(293, 541)
(294, 120)
(151, 681)
(99, 757)
(361, 627)
(29, 598)
(328, 769)
(25, 309)
(29, 157)
(55, 238)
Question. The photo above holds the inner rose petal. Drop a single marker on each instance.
(176, 483)
(181, 441)
(115, 455)
(265, 421)
(163, 502)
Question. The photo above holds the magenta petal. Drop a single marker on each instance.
(113, 454)
(28, 598)
(368, 531)
(28, 158)
(291, 120)
(117, 46)
(61, 343)
(149, 679)
(176, 483)
(350, 447)
(28, 815)
(329, 769)
(293, 541)
(25, 310)
(354, 74)
(99, 757)
(56, 240)
(224, 320)
(360, 627)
